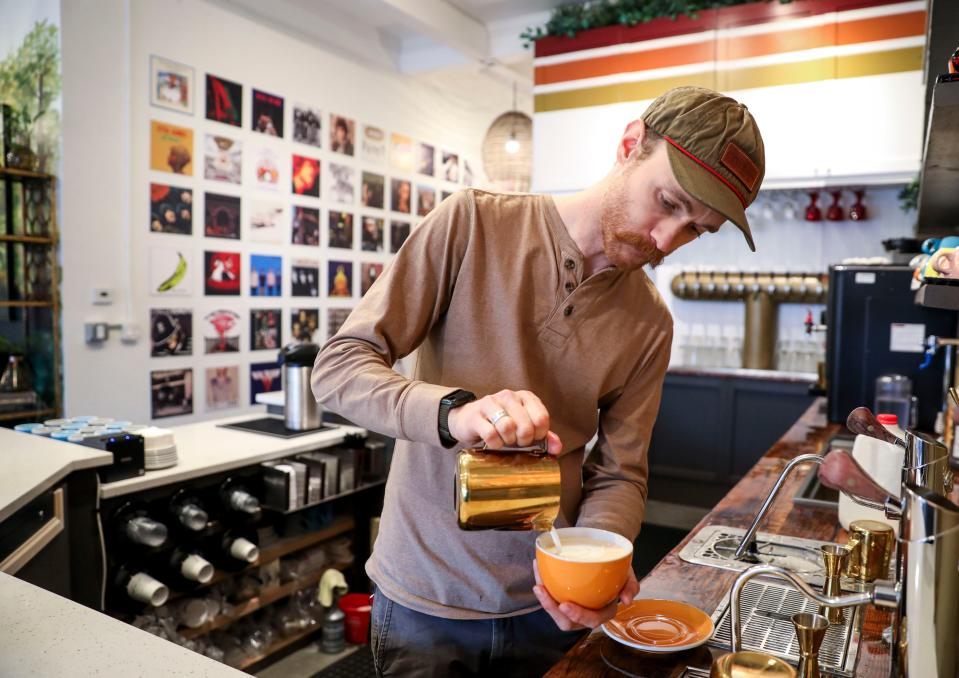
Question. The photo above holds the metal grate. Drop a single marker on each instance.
(691, 672)
(774, 633)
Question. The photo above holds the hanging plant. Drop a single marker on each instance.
(909, 196)
(568, 20)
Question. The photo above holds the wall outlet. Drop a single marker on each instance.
(102, 296)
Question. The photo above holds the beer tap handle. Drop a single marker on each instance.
(862, 421)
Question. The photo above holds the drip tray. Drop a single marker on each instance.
(272, 426)
(767, 607)
(715, 546)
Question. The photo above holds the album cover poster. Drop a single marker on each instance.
(267, 113)
(425, 199)
(342, 184)
(371, 234)
(305, 324)
(222, 388)
(267, 222)
(467, 173)
(171, 148)
(401, 152)
(399, 232)
(335, 317)
(171, 332)
(451, 166)
(340, 278)
(264, 378)
(369, 272)
(307, 125)
(306, 226)
(341, 134)
(171, 272)
(171, 393)
(171, 85)
(224, 101)
(425, 159)
(265, 329)
(222, 159)
(401, 195)
(371, 190)
(373, 144)
(171, 209)
(305, 277)
(221, 216)
(266, 168)
(266, 275)
(306, 176)
(221, 331)
(221, 274)
(341, 230)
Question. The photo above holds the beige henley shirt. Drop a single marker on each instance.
(490, 289)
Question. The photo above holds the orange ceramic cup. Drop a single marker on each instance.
(592, 583)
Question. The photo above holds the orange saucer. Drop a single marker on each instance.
(656, 625)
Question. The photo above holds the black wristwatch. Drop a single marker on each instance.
(457, 398)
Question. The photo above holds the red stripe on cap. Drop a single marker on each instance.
(709, 169)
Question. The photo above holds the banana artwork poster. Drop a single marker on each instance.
(171, 272)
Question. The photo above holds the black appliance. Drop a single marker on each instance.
(128, 455)
(872, 320)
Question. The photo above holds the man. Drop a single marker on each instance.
(533, 320)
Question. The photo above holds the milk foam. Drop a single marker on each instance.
(588, 550)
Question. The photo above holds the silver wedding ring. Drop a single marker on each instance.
(497, 416)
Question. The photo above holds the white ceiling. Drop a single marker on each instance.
(469, 48)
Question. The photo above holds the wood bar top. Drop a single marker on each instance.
(705, 587)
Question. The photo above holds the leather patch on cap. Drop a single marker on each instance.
(736, 161)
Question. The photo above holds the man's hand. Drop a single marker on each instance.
(571, 617)
(505, 419)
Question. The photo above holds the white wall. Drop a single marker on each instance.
(106, 176)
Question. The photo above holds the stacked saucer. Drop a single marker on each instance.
(159, 449)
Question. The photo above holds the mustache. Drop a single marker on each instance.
(645, 245)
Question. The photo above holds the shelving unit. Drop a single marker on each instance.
(30, 302)
(361, 488)
(275, 647)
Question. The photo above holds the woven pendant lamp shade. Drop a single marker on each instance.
(509, 171)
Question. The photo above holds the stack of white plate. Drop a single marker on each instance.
(159, 449)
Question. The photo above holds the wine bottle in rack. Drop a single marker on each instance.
(137, 585)
(237, 499)
(134, 525)
(189, 512)
(190, 566)
(239, 548)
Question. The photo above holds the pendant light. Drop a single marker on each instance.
(507, 150)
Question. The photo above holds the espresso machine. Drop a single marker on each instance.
(925, 592)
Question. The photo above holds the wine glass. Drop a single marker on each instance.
(813, 213)
(835, 213)
(858, 211)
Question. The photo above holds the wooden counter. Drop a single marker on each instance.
(705, 587)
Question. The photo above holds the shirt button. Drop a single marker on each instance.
(568, 311)
(570, 286)
(570, 264)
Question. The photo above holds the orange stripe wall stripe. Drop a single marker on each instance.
(776, 42)
(850, 66)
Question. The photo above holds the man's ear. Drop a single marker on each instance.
(631, 141)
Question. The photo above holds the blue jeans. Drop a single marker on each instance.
(410, 643)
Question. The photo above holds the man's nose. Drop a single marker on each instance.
(667, 234)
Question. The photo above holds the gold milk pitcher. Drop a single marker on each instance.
(513, 488)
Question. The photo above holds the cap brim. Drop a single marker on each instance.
(701, 184)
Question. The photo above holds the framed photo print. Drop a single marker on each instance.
(171, 85)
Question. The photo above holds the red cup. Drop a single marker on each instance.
(357, 608)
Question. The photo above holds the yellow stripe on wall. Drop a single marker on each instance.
(851, 66)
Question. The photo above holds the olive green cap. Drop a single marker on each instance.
(714, 148)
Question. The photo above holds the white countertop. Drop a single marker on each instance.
(206, 447)
(44, 635)
(31, 464)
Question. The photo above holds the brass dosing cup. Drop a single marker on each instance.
(749, 664)
(871, 543)
(810, 631)
(834, 557)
